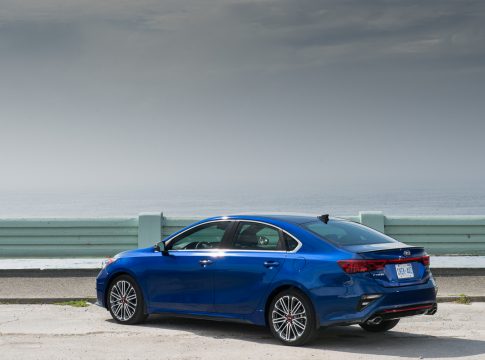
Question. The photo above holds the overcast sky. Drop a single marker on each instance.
(268, 95)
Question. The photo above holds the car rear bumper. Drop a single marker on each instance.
(392, 303)
(404, 311)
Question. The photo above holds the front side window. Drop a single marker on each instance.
(207, 236)
(346, 233)
(255, 236)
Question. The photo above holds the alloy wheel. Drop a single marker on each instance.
(123, 300)
(289, 318)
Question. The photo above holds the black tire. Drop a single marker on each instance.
(291, 329)
(125, 301)
(383, 326)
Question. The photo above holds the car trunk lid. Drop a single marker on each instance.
(390, 266)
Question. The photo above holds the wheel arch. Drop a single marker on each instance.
(287, 286)
(112, 277)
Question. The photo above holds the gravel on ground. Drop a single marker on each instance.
(63, 332)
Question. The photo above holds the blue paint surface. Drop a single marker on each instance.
(239, 284)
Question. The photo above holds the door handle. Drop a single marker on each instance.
(271, 264)
(205, 262)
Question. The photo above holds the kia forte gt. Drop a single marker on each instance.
(293, 274)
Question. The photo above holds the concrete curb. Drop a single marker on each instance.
(30, 301)
(454, 298)
(49, 273)
(458, 272)
(441, 299)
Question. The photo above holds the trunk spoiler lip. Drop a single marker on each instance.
(376, 248)
(401, 248)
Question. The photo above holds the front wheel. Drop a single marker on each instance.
(126, 301)
(291, 318)
(385, 325)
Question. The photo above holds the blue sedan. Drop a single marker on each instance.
(293, 274)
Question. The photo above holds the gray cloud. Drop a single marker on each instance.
(372, 29)
(193, 95)
(38, 38)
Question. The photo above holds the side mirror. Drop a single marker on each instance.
(161, 248)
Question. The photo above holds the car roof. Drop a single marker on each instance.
(289, 218)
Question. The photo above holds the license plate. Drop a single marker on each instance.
(404, 271)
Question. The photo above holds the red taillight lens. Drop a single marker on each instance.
(425, 260)
(357, 266)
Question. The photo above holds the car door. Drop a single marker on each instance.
(181, 280)
(255, 254)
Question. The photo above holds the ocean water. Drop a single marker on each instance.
(85, 204)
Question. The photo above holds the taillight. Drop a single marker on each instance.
(358, 266)
(425, 260)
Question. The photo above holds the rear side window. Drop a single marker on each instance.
(255, 236)
(291, 244)
(346, 233)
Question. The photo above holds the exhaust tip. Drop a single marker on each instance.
(375, 320)
(433, 310)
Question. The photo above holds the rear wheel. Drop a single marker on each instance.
(291, 318)
(381, 327)
(126, 301)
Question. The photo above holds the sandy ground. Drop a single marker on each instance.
(63, 332)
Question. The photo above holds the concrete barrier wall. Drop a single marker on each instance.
(98, 237)
(67, 237)
(440, 235)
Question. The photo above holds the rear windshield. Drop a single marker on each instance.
(346, 233)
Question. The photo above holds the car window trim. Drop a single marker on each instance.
(240, 223)
(300, 244)
(169, 241)
(231, 231)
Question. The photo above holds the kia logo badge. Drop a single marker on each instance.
(406, 253)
